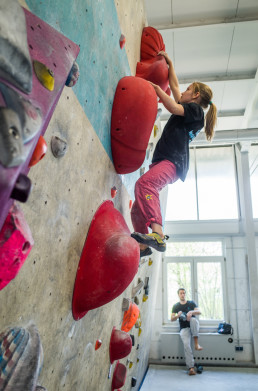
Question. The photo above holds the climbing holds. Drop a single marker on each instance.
(132, 122)
(139, 331)
(11, 144)
(21, 357)
(113, 192)
(39, 151)
(29, 115)
(122, 41)
(44, 75)
(58, 146)
(152, 66)
(137, 288)
(130, 204)
(150, 262)
(120, 345)
(21, 189)
(98, 344)
(73, 75)
(119, 376)
(133, 381)
(15, 61)
(151, 43)
(155, 131)
(15, 245)
(125, 304)
(105, 268)
(145, 298)
(130, 317)
(129, 363)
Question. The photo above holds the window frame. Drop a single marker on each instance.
(233, 153)
(194, 260)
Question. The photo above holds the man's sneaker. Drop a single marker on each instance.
(146, 252)
(152, 240)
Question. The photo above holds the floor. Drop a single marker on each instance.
(167, 378)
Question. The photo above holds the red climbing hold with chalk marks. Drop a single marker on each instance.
(133, 115)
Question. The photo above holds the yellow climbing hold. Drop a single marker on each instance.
(44, 75)
(155, 130)
(144, 298)
(150, 262)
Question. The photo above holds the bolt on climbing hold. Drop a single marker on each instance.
(125, 304)
(144, 298)
(139, 331)
(129, 363)
(150, 262)
(155, 130)
(122, 41)
(39, 151)
(44, 75)
(136, 300)
(142, 170)
(98, 344)
(130, 204)
(58, 146)
(73, 75)
(137, 288)
(22, 188)
(113, 192)
(133, 381)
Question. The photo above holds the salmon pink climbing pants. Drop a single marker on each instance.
(146, 208)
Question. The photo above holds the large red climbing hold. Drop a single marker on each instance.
(119, 376)
(109, 261)
(133, 116)
(15, 244)
(152, 66)
(151, 43)
(120, 345)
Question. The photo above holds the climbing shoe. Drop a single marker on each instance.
(145, 253)
(152, 240)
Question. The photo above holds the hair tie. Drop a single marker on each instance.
(210, 102)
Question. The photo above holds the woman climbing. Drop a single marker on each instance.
(171, 156)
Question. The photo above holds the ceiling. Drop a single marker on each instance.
(215, 42)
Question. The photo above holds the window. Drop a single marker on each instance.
(209, 191)
(201, 274)
(253, 165)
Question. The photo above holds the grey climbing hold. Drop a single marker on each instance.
(58, 146)
(137, 288)
(11, 143)
(125, 304)
(15, 61)
(21, 356)
(29, 115)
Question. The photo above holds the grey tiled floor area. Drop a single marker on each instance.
(172, 378)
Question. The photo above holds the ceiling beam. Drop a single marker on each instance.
(224, 137)
(217, 78)
(207, 23)
(220, 114)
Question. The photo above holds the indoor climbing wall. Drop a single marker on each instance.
(67, 190)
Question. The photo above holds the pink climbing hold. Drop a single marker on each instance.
(122, 41)
(15, 245)
(105, 268)
(133, 115)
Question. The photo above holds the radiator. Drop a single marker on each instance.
(218, 349)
